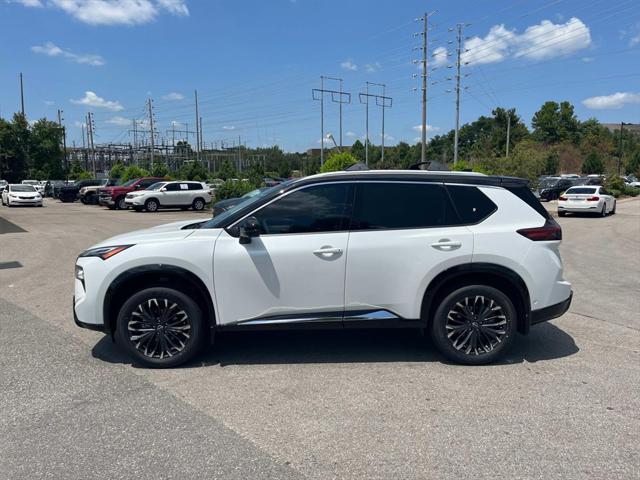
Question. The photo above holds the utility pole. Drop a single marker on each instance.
(84, 152)
(64, 145)
(381, 101)
(622, 124)
(459, 52)
(197, 126)
(366, 127)
(90, 141)
(21, 95)
(151, 131)
(337, 97)
(424, 33)
(508, 131)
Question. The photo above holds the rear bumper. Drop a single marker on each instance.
(551, 312)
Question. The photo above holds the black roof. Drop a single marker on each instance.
(414, 176)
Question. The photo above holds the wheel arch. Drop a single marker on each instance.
(498, 276)
(156, 275)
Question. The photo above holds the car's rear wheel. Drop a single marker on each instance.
(160, 327)
(561, 214)
(198, 204)
(474, 325)
(603, 212)
(151, 205)
(613, 210)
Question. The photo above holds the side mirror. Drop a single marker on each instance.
(250, 228)
(163, 189)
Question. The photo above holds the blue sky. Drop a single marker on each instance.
(255, 62)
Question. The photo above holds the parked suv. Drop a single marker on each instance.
(472, 259)
(552, 187)
(114, 197)
(170, 195)
(69, 193)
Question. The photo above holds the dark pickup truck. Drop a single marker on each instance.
(113, 197)
(69, 193)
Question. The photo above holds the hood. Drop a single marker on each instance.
(26, 194)
(161, 233)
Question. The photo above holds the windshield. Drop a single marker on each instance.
(157, 186)
(30, 182)
(581, 190)
(219, 220)
(130, 182)
(548, 182)
(22, 188)
(252, 193)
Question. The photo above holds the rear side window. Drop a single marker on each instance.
(527, 196)
(195, 186)
(381, 206)
(472, 205)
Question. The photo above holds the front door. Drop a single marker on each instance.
(294, 271)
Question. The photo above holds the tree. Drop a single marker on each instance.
(633, 165)
(227, 171)
(357, 150)
(233, 189)
(160, 170)
(45, 151)
(337, 162)
(593, 164)
(555, 123)
(132, 172)
(117, 171)
(193, 170)
(528, 161)
(77, 172)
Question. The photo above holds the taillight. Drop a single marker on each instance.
(562, 199)
(593, 199)
(548, 232)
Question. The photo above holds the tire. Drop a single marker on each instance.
(562, 214)
(91, 200)
(613, 210)
(120, 204)
(603, 212)
(495, 337)
(198, 204)
(151, 205)
(182, 346)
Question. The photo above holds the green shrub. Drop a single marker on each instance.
(132, 172)
(233, 189)
(615, 192)
(338, 162)
(632, 191)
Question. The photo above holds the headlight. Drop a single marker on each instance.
(104, 252)
(12, 195)
(79, 274)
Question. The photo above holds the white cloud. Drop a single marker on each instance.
(494, 47)
(547, 40)
(49, 102)
(173, 96)
(588, 59)
(634, 41)
(90, 99)
(119, 121)
(349, 65)
(28, 3)
(52, 50)
(439, 57)
(541, 41)
(387, 137)
(113, 12)
(430, 128)
(613, 101)
(372, 67)
(79, 124)
(351, 134)
(229, 127)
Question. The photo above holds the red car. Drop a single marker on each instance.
(113, 197)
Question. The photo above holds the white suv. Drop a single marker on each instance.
(471, 258)
(170, 195)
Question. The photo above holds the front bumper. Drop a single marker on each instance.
(551, 312)
(106, 200)
(88, 326)
(22, 201)
(134, 201)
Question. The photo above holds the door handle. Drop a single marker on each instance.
(326, 251)
(446, 245)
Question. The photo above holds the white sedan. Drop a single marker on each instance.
(14, 194)
(586, 199)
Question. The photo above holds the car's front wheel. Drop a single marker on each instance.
(474, 325)
(160, 327)
(151, 205)
(121, 204)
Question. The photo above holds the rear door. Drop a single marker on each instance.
(402, 235)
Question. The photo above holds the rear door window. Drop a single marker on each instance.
(396, 205)
(195, 186)
(472, 205)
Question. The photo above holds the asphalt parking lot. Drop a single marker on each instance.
(316, 405)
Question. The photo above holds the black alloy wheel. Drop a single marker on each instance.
(151, 205)
(474, 325)
(160, 327)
